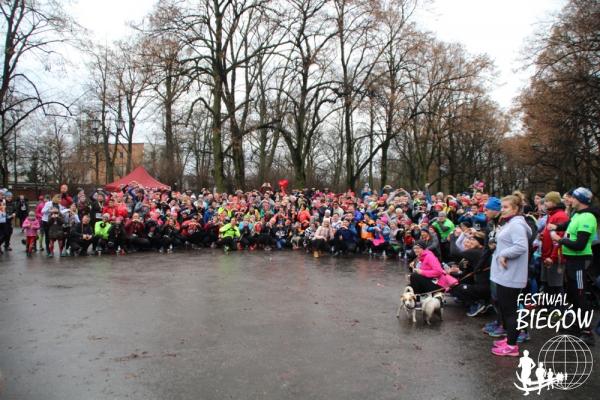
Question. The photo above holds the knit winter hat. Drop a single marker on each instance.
(553, 197)
(493, 204)
(421, 243)
(582, 194)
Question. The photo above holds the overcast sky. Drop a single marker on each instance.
(499, 28)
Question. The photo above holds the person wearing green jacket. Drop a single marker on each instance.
(101, 229)
(228, 234)
(444, 227)
(576, 246)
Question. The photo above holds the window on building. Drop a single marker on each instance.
(120, 154)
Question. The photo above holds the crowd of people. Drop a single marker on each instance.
(482, 250)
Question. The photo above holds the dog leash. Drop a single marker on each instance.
(457, 283)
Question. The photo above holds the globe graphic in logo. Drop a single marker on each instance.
(570, 356)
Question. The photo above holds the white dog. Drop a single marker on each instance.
(432, 305)
(408, 301)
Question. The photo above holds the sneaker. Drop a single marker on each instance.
(315, 254)
(226, 249)
(506, 351)
(523, 337)
(490, 327)
(500, 342)
(498, 332)
(488, 307)
(475, 310)
(588, 338)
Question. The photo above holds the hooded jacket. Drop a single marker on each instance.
(430, 267)
(512, 243)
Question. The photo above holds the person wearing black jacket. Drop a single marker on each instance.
(117, 237)
(170, 236)
(22, 208)
(492, 214)
(81, 237)
(96, 208)
(473, 291)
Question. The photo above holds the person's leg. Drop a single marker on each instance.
(576, 283)
(507, 300)
(46, 229)
(9, 232)
(30, 244)
(422, 284)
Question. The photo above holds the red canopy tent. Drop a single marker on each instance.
(139, 175)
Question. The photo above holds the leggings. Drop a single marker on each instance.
(30, 244)
(422, 284)
(507, 303)
(575, 273)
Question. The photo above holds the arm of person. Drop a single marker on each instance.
(579, 243)
(456, 245)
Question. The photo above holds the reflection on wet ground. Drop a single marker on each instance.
(204, 325)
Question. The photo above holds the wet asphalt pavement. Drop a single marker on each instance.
(204, 325)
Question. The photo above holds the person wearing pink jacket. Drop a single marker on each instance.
(429, 274)
(31, 226)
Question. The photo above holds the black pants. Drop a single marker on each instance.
(8, 233)
(196, 238)
(576, 268)
(320, 244)
(46, 230)
(246, 241)
(344, 246)
(507, 303)
(470, 294)
(79, 246)
(422, 284)
(265, 240)
(100, 243)
(227, 241)
(139, 243)
(22, 217)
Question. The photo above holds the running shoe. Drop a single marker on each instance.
(523, 337)
(490, 327)
(506, 351)
(498, 332)
(475, 310)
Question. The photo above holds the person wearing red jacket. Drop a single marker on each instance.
(136, 233)
(65, 199)
(110, 209)
(552, 274)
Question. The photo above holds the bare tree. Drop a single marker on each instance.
(31, 28)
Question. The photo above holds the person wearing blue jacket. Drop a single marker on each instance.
(345, 239)
(509, 268)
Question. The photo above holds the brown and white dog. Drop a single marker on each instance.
(432, 305)
(408, 301)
